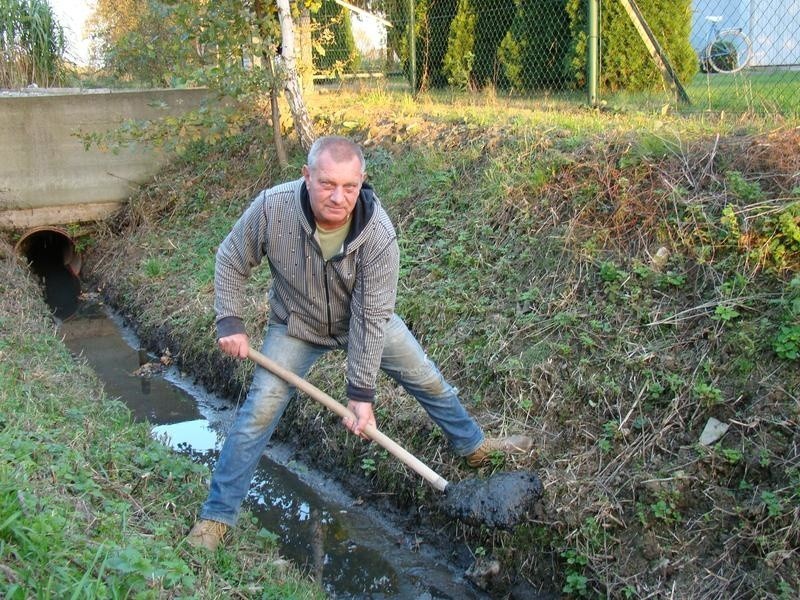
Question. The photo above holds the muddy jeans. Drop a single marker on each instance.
(403, 359)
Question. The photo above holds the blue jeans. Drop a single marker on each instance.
(403, 359)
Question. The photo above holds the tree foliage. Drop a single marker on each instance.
(32, 44)
(135, 41)
(230, 47)
(193, 43)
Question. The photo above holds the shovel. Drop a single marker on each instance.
(503, 501)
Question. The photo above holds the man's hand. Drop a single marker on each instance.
(235, 345)
(364, 416)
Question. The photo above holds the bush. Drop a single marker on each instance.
(432, 23)
(625, 62)
(492, 26)
(535, 45)
(336, 51)
(533, 51)
(460, 56)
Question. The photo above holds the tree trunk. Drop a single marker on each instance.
(268, 56)
(277, 137)
(294, 93)
(306, 51)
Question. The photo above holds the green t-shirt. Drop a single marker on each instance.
(332, 240)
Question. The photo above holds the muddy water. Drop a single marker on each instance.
(352, 551)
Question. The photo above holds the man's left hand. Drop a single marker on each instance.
(364, 417)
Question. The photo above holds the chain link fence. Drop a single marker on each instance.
(732, 55)
(750, 55)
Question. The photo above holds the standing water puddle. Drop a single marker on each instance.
(352, 552)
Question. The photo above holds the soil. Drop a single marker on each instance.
(502, 501)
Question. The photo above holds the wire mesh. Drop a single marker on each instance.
(733, 55)
(760, 40)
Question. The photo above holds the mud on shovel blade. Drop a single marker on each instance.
(504, 500)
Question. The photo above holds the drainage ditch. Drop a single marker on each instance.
(352, 551)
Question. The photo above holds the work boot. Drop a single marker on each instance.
(512, 444)
(206, 534)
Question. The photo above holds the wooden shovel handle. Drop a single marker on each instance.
(372, 432)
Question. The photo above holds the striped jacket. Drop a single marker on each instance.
(343, 302)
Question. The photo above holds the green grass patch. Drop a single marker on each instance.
(761, 91)
(90, 505)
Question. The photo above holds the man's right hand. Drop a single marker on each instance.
(235, 345)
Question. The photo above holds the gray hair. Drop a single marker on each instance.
(340, 148)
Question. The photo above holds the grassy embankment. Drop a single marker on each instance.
(90, 505)
(604, 282)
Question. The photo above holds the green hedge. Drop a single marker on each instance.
(534, 50)
(491, 28)
(541, 45)
(432, 20)
(336, 50)
(625, 62)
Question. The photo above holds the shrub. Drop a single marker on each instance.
(492, 26)
(432, 23)
(337, 50)
(625, 62)
(533, 51)
(460, 56)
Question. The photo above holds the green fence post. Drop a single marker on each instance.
(593, 51)
(412, 48)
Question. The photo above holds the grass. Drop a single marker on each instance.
(751, 91)
(32, 44)
(90, 505)
(768, 92)
(604, 281)
(774, 92)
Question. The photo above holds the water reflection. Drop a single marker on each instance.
(312, 533)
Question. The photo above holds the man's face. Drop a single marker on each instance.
(333, 188)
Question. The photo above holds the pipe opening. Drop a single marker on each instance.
(52, 257)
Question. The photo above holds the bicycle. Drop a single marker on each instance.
(726, 50)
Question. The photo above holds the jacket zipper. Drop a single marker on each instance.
(327, 297)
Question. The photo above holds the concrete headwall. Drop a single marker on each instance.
(46, 175)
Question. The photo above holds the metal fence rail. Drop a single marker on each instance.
(733, 55)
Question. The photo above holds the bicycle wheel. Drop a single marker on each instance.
(730, 51)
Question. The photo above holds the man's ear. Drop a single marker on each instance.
(306, 172)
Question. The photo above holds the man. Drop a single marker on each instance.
(334, 259)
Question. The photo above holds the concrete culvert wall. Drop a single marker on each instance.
(52, 256)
